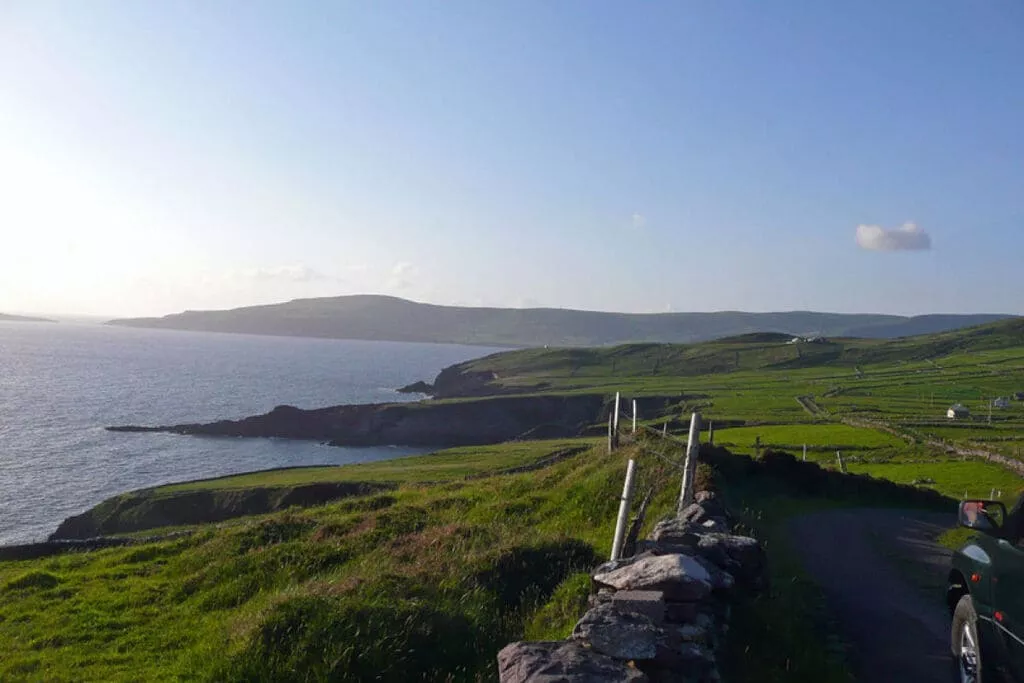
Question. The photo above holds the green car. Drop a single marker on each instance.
(986, 594)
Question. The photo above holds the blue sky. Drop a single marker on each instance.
(644, 157)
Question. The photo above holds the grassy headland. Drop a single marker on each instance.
(472, 547)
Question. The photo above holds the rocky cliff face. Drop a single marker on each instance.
(429, 424)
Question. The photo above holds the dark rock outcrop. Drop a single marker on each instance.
(427, 423)
(562, 662)
(417, 388)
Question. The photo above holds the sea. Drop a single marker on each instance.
(61, 384)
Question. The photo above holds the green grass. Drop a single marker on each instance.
(816, 436)
(439, 579)
(446, 465)
(952, 477)
(428, 581)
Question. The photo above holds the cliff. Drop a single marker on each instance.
(428, 423)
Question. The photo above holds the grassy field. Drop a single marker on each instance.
(956, 478)
(814, 436)
(427, 581)
(907, 384)
(424, 583)
(446, 465)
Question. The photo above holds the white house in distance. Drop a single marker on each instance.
(958, 411)
(1001, 403)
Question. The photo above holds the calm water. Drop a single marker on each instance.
(60, 385)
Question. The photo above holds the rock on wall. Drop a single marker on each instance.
(660, 615)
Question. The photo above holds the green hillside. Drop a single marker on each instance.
(392, 319)
(654, 365)
(470, 548)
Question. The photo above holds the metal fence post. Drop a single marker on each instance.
(690, 466)
(624, 503)
(842, 465)
(616, 412)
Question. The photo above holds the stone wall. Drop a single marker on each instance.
(661, 615)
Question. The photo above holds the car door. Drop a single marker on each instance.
(1008, 600)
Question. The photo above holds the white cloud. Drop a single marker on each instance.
(638, 221)
(907, 237)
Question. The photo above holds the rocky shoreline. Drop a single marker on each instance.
(433, 424)
(427, 423)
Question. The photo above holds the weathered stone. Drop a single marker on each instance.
(694, 512)
(712, 504)
(670, 527)
(680, 577)
(715, 525)
(612, 565)
(720, 580)
(562, 662)
(697, 514)
(741, 556)
(692, 633)
(703, 497)
(649, 603)
(600, 598)
(681, 612)
(675, 535)
(619, 634)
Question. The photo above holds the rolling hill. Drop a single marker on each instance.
(657, 367)
(382, 318)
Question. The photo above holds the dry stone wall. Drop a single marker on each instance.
(660, 615)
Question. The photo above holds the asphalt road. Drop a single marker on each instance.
(884, 582)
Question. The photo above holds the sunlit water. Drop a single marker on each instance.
(61, 384)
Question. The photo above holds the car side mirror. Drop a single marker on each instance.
(983, 515)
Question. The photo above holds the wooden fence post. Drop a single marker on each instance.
(634, 416)
(627, 498)
(690, 466)
(711, 432)
(805, 452)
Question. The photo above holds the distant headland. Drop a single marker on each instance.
(6, 317)
(384, 318)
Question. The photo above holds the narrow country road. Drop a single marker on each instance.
(884, 581)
